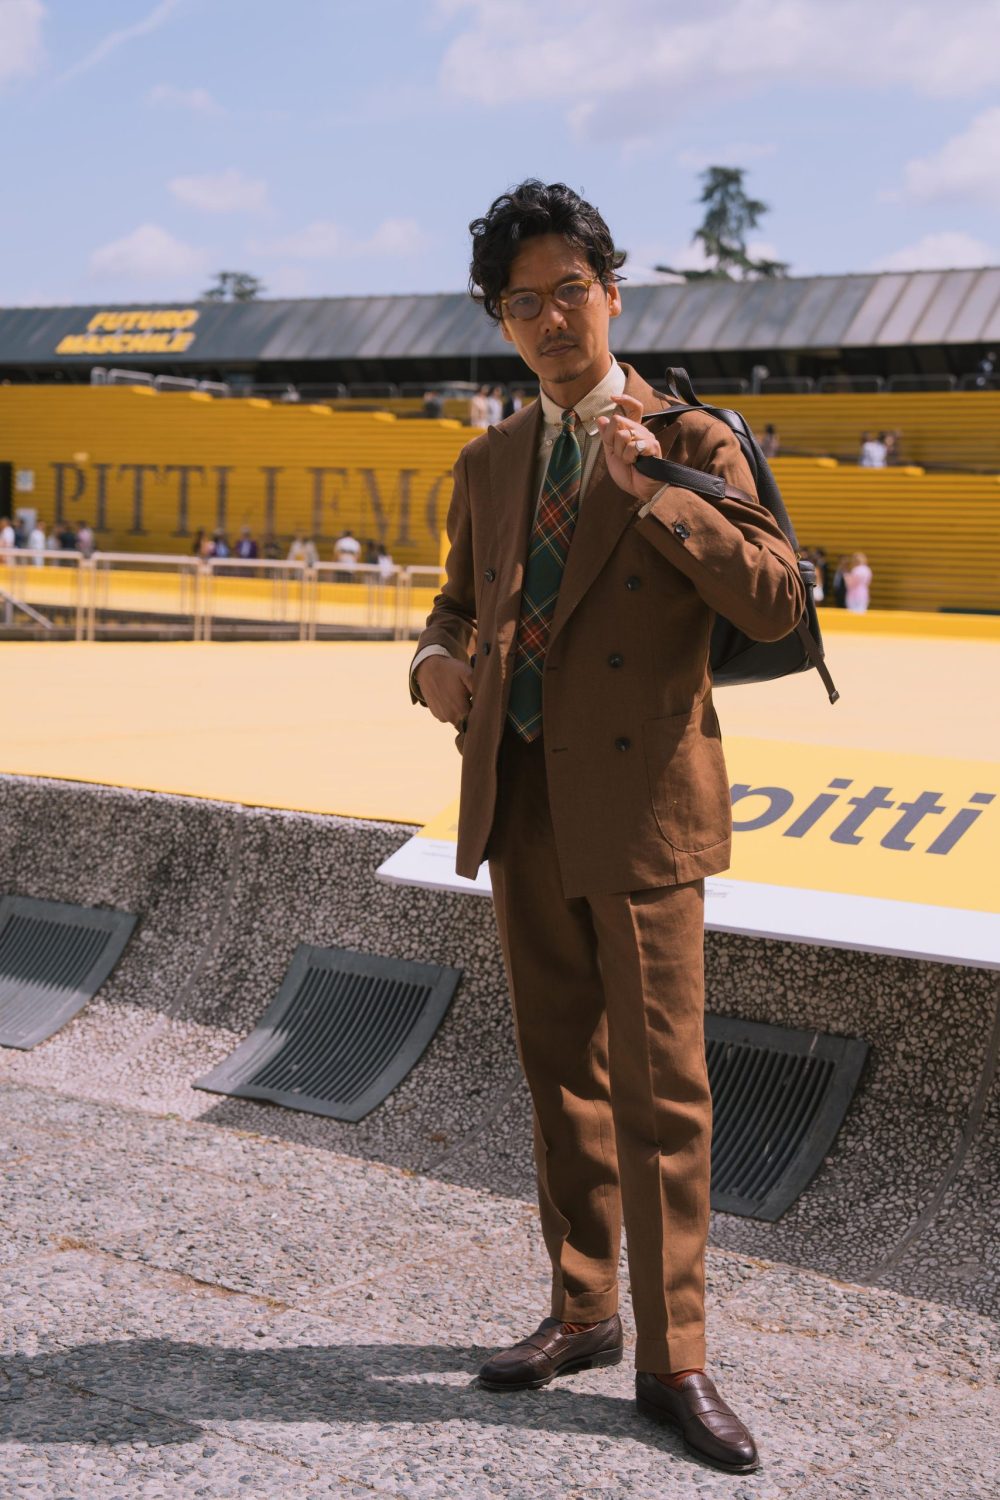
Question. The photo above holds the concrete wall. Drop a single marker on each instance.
(907, 1198)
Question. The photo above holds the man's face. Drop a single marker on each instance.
(564, 347)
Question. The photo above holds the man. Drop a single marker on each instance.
(347, 552)
(569, 647)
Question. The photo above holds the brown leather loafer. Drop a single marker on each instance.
(549, 1352)
(711, 1429)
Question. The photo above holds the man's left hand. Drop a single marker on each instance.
(625, 439)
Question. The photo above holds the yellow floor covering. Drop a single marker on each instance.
(328, 727)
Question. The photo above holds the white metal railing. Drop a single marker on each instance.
(202, 596)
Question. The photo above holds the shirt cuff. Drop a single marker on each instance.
(422, 656)
(645, 509)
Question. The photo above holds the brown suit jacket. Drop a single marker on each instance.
(638, 787)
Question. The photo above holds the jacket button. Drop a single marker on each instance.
(633, 582)
(486, 648)
(614, 660)
(490, 575)
(623, 743)
(681, 530)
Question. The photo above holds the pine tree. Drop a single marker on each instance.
(233, 286)
(729, 216)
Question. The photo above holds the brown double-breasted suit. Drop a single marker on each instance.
(600, 834)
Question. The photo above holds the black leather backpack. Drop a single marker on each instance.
(733, 655)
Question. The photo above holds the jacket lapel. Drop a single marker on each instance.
(604, 514)
(513, 454)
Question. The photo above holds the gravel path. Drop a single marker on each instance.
(194, 1311)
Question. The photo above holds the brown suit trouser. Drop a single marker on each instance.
(608, 998)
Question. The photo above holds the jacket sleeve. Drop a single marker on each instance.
(733, 551)
(451, 623)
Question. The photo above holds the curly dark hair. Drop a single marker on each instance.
(531, 209)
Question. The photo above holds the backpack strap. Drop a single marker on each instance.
(708, 486)
(815, 655)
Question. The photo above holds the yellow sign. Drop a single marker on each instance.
(901, 827)
(155, 330)
(866, 822)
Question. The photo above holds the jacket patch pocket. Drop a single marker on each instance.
(688, 784)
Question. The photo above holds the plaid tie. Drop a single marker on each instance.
(550, 539)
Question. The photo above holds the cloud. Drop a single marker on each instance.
(198, 101)
(226, 192)
(967, 166)
(324, 240)
(115, 39)
(950, 250)
(21, 50)
(149, 254)
(646, 61)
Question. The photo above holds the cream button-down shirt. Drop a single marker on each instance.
(596, 403)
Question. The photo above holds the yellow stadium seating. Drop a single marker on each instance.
(151, 468)
(148, 468)
(941, 429)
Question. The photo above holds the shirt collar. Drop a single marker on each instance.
(596, 403)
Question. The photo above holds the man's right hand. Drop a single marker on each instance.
(446, 685)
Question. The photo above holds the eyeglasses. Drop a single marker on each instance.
(569, 295)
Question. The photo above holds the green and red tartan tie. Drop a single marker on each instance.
(547, 551)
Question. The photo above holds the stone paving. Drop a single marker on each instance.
(191, 1310)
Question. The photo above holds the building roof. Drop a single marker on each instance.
(794, 313)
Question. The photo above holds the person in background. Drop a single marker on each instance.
(85, 540)
(290, 393)
(821, 565)
(222, 548)
(206, 546)
(839, 589)
(246, 546)
(67, 537)
(8, 539)
(199, 537)
(873, 454)
(770, 442)
(371, 552)
(386, 566)
(857, 583)
(271, 548)
(891, 442)
(494, 406)
(347, 552)
(36, 540)
(478, 408)
(303, 550)
(433, 405)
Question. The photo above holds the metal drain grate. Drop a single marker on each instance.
(344, 1029)
(53, 959)
(778, 1099)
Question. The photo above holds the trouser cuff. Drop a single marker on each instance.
(585, 1307)
(656, 1357)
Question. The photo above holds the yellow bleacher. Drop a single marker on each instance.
(944, 429)
(149, 468)
(932, 540)
(152, 468)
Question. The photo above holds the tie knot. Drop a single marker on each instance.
(569, 417)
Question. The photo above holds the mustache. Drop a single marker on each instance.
(556, 344)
